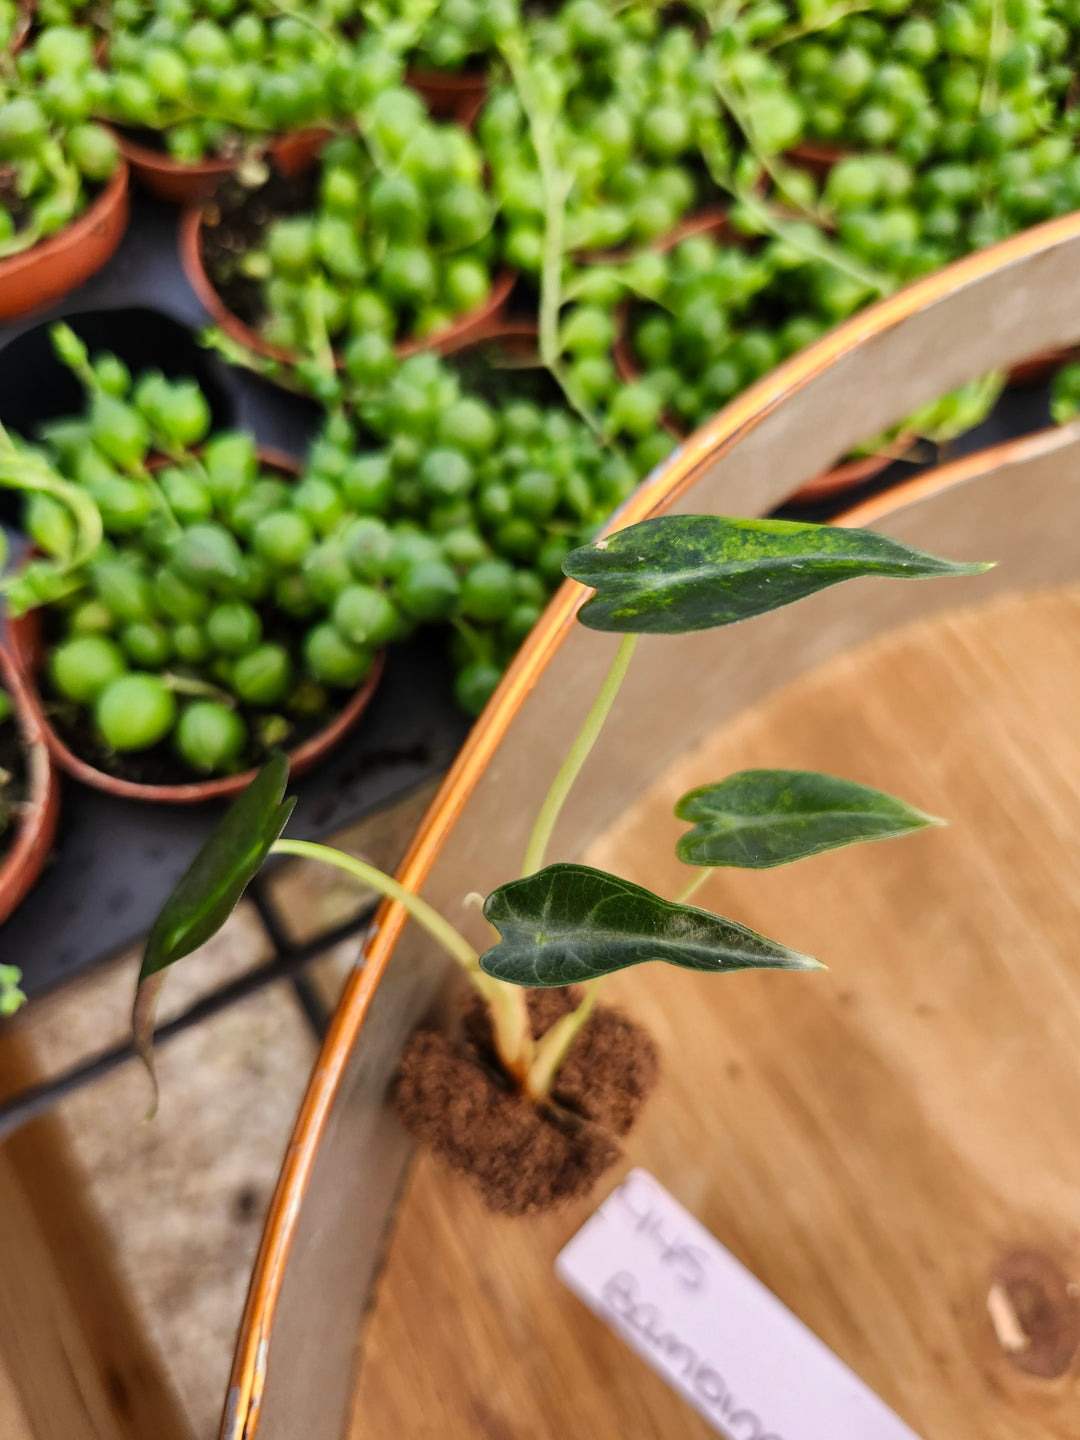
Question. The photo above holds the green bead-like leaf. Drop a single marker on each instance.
(210, 890)
(761, 818)
(692, 572)
(569, 923)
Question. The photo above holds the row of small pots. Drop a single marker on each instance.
(50, 269)
(22, 666)
(448, 97)
(716, 224)
(818, 158)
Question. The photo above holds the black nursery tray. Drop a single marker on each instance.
(116, 860)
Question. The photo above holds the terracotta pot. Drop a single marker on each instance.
(1039, 368)
(21, 863)
(449, 96)
(463, 331)
(715, 221)
(816, 156)
(853, 472)
(187, 184)
(52, 267)
(26, 644)
(517, 337)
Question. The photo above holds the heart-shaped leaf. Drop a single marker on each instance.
(692, 572)
(210, 890)
(569, 923)
(761, 818)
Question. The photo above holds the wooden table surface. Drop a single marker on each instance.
(891, 1146)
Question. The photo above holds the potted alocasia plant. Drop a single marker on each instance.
(531, 1090)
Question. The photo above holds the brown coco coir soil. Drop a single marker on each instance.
(451, 1094)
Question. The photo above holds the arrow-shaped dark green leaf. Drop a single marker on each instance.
(692, 572)
(210, 890)
(569, 923)
(761, 818)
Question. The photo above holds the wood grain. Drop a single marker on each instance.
(879, 1143)
(78, 1366)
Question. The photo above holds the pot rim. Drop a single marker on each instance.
(143, 157)
(711, 220)
(21, 865)
(448, 82)
(454, 336)
(24, 637)
(21, 32)
(459, 95)
(112, 196)
(248, 1376)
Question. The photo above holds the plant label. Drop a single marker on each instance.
(711, 1329)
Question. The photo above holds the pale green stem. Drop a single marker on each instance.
(553, 1048)
(988, 96)
(30, 475)
(315, 328)
(817, 249)
(693, 886)
(812, 27)
(424, 914)
(201, 689)
(766, 161)
(579, 753)
(507, 1003)
(146, 476)
(557, 184)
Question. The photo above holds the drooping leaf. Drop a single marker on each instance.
(210, 890)
(568, 923)
(691, 572)
(761, 818)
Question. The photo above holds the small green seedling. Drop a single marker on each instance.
(566, 924)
